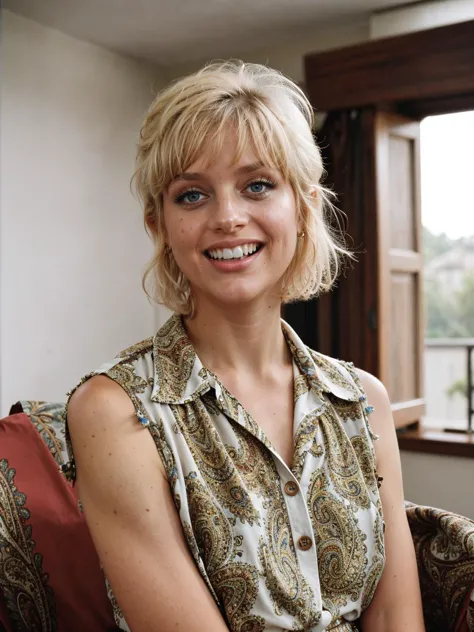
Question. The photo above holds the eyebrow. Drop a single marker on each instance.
(189, 175)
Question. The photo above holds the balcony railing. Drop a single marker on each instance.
(449, 360)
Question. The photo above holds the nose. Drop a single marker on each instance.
(229, 213)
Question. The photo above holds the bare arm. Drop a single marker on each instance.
(396, 605)
(132, 517)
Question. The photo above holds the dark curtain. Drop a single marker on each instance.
(343, 323)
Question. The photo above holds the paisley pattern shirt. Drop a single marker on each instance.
(279, 548)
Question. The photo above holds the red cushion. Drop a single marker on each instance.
(4, 619)
(49, 570)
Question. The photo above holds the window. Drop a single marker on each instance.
(447, 211)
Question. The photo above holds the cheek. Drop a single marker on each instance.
(280, 221)
(179, 230)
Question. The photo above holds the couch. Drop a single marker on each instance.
(50, 576)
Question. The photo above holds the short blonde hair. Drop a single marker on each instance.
(271, 114)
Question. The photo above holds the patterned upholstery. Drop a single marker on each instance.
(48, 419)
(444, 545)
(444, 542)
(50, 576)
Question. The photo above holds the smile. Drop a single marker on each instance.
(239, 252)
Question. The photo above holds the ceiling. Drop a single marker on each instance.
(169, 32)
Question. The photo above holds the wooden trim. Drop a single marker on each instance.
(418, 109)
(393, 260)
(420, 308)
(436, 442)
(406, 413)
(405, 260)
(421, 65)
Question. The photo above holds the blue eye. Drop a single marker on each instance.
(260, 187)
(189, 197)
(192, 197)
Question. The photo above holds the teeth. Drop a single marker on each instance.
(234, 253)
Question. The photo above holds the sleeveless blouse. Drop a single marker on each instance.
(279, 548)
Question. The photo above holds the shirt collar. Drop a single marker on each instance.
(324, 374)
(179, 375)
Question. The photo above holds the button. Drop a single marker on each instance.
(291, 488)
(305, 543)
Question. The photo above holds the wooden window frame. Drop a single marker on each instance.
(395, 260)
(415, 76)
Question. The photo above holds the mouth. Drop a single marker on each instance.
(234, 254)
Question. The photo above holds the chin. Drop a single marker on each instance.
(242, 296)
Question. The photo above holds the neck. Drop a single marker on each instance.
(239, 339)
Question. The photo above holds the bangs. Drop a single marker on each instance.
(195, 135)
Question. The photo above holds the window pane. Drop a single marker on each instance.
(447, 193)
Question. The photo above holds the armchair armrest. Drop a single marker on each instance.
(444, 546)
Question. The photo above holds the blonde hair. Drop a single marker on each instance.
(272, 115)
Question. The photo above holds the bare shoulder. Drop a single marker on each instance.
(386, 448)
(373, 387)
(99, 391)
(98, 403)
(381, 420)
(105, 432)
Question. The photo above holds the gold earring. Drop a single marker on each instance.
(301, 235)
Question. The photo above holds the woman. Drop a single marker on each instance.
(228, 474)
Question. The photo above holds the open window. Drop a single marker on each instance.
(447, 157)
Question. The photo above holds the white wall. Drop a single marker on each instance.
(288, 55)
(446, 482)
(72, 246)
(417, 17)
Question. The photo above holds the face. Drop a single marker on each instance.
(232, 228)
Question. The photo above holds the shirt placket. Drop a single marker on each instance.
(294, 493)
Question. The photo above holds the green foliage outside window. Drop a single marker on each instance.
(449, 313)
